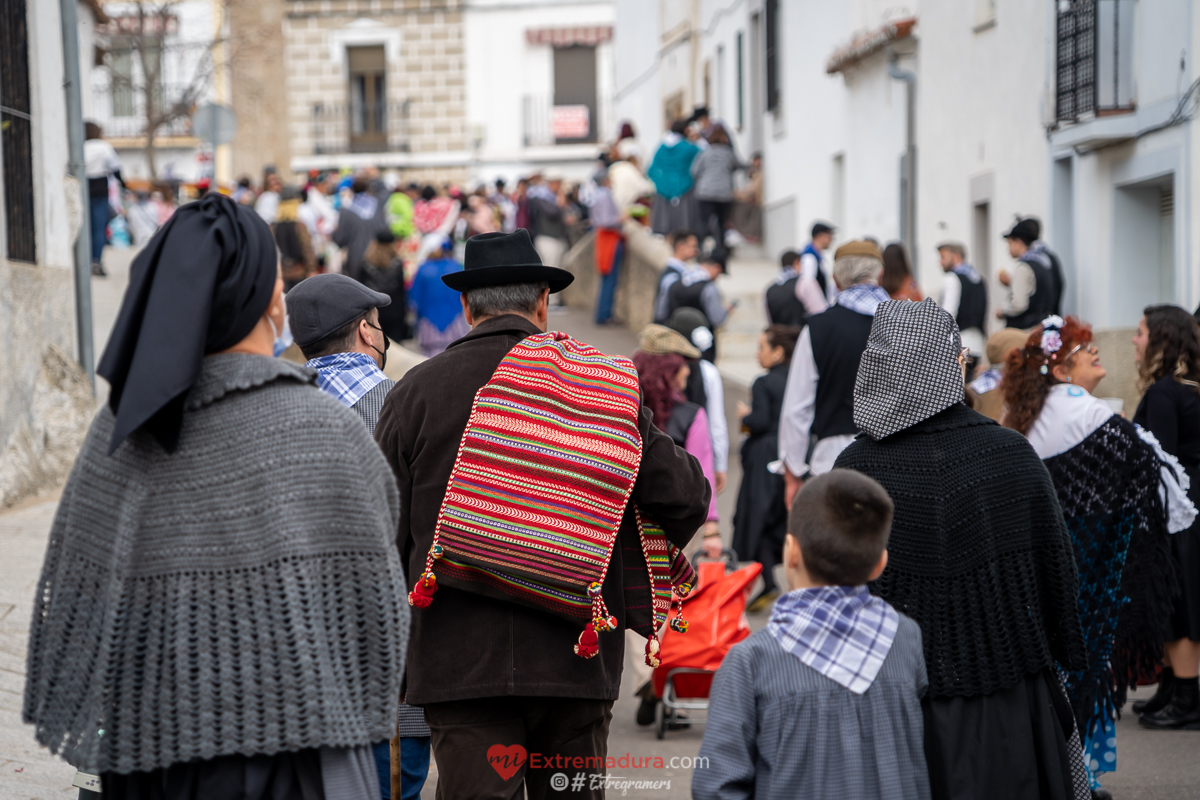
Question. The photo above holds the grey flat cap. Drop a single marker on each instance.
(319, 305)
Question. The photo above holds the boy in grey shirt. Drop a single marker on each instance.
(825, 702)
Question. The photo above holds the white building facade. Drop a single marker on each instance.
(167, 55)
(539, 86)
(818, 88)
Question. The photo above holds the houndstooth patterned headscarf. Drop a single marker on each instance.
(910, 370)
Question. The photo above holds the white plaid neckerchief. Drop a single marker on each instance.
(862, 298)
(347, 376)
(843, 632)
(987, 381)
(786, 275)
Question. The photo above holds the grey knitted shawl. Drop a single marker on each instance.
(241, 596)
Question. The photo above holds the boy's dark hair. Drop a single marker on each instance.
(680, 236)
(784, 336)
(841, 520)
(788, 258)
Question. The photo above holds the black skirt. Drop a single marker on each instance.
(283, 776)
(1012, 743)
(1185, 546)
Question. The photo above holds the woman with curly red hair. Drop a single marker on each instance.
(1107, 478)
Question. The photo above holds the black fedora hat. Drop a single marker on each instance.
(496, 259)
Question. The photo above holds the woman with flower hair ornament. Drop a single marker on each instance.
(1108, 475)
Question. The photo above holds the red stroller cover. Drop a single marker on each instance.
(716, 617)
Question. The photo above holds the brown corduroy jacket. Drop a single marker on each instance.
(466, 645)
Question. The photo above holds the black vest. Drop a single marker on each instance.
(682, 296)
(839, 337)
(783, 307)
(1041, 302)
(972, 304)
(687, 297)
(695, 391)
(680, 421)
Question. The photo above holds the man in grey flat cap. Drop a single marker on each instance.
(335, 322)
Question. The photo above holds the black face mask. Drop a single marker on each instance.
(386, 343)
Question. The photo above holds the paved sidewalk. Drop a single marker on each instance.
(26, 770)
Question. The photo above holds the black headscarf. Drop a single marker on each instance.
(200, 286)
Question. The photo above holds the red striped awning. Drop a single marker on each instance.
(566, 37)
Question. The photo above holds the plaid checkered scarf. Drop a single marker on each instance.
(843, 632)
(347, 376)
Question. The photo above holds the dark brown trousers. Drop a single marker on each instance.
(499, 748)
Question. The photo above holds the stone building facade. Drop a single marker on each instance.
(378, 82)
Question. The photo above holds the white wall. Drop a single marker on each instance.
(1114, 228)
(49, 106)
(637, 96)
(502, 69)
(980, 109)
(810, 128)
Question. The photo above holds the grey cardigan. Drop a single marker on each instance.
(778, 729)
(240, 596)
(713, 170)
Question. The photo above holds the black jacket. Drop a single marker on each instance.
(466, 645)
(979, 554)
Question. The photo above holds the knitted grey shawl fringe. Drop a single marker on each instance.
(241, 596)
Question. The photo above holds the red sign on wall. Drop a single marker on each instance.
(570, 122)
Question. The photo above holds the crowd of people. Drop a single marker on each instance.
(981, 559)
(1044, 544)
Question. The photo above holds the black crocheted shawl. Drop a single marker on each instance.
(979, 555)
(1108, 488)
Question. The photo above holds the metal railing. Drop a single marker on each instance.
(120, 110)
(360, 128)
(1094, 57)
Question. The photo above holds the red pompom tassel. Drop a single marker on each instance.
(422, 594)
(588, 645)
(652, 659)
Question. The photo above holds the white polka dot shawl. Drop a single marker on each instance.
(910, 369)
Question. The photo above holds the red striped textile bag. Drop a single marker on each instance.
(542, 479)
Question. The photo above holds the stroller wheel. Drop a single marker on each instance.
(661, 731)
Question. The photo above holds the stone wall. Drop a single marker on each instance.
(46, 401)
(257, 76)
(645, 257)
(423, 41)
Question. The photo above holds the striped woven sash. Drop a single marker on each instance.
(543, 475)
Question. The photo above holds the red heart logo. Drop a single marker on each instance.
(506, 760)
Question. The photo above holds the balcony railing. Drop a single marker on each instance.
(1094, 58)
(121, 111)
(360, 128)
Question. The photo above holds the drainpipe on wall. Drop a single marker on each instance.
(908, 202)
(83, 245)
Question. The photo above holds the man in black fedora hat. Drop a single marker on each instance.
(503, 691)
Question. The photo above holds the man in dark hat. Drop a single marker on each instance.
(335, 323)
(1032, 288)
(1056, 271)
(499, 680)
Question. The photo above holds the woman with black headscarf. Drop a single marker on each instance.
(219, 613)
